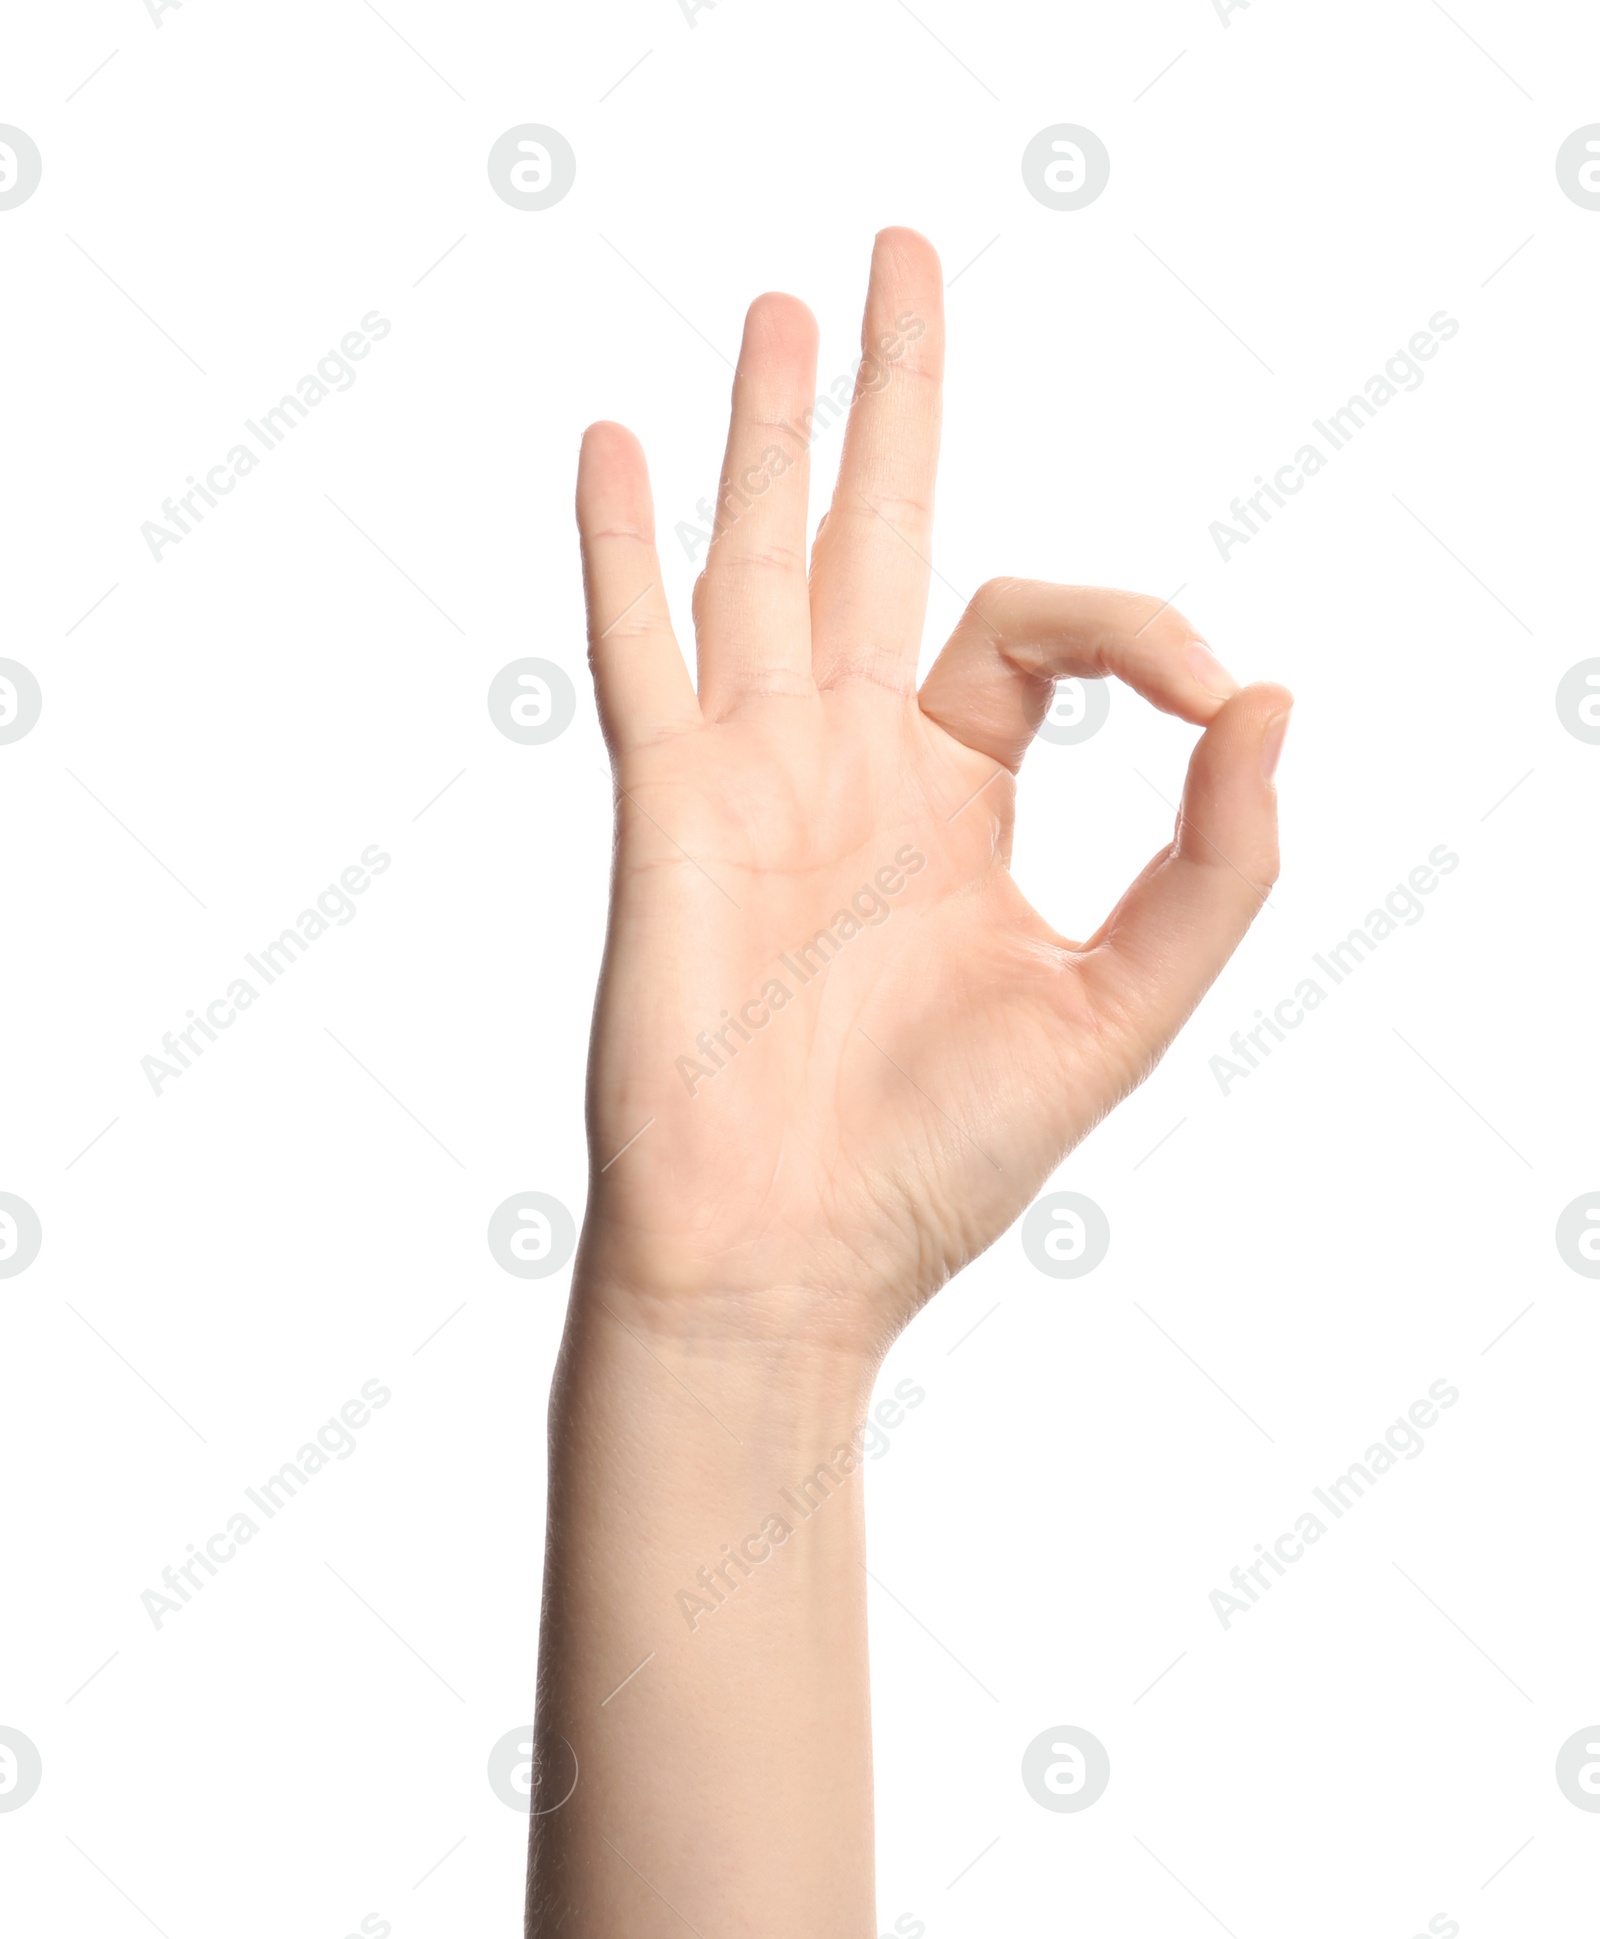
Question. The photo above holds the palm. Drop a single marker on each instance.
(836, 1049)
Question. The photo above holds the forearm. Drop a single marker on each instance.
(706, 1522)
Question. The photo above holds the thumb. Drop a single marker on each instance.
(1163, 945)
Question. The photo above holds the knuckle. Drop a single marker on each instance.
(1165, 623)
(784, 560)
(987, 607)
(993, 591)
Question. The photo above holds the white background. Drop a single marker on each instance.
(1294, 1265)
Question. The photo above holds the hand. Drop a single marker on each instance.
(836, 1050)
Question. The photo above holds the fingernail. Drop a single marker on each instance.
(1210, 672)
(1272, 743)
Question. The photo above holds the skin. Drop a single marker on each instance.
(767, 1210)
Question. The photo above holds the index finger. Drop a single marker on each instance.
(993, 682)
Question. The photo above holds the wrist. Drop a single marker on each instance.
(781, 1314)
(753, 1370)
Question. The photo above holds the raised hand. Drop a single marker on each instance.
(836, 1049)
